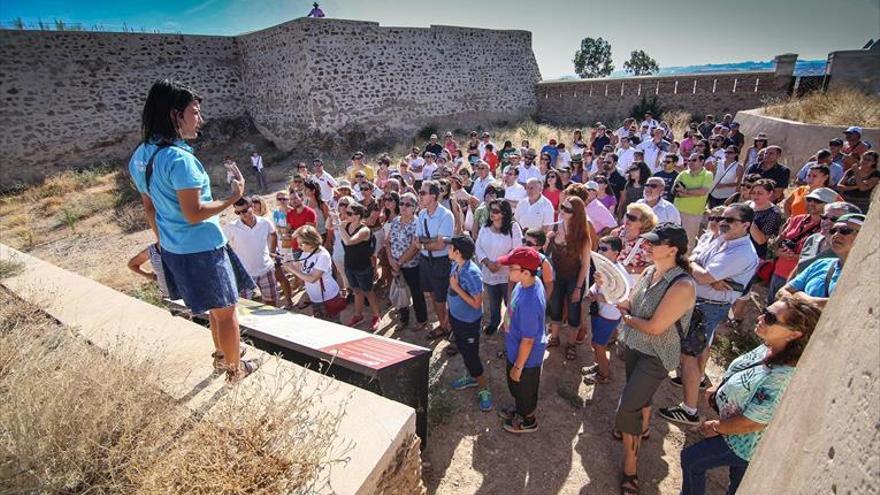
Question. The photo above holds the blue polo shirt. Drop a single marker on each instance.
(176, 168)
(527, 310)
(811, 281)
(470, 278)
(441, 223)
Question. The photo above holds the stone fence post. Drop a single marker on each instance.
(783, 73)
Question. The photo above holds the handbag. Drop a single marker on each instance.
(334, 306)
(398, 293)
(693, 338)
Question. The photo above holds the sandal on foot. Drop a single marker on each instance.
(553, 342)
(629, 484)
(615, 434)
(571, 352)
(220, 363)
(245, 368)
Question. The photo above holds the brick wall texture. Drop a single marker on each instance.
(72, 98)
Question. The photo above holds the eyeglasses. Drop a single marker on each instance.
(829, 218)
(366, 188)
(668, 161)
(715, 219)
(407, 205)
(770, 318)
(843, 230)
(282, 199)
(603, 249)
(729, 219)
(566, 209)
(633, 218)
(242, 212)
(601, 182)
(360, 176)
(653, 186)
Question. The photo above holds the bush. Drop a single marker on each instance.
(424, 133)
(646, 104)
(843, 107)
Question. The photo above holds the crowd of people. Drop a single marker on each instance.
(508, 239)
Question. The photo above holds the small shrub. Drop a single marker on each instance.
(678, 121)
(149, 293)
(528, 128)
(70, 215)
(10, 268)
(131, 218)
(425, 132)
(646, 104)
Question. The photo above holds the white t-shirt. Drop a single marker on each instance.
(490, 245)
(428, 170)
(665, 211)
(516, 192)
(257, 162)
(534, 216)
(526, 173)
(563, 159)
(251, 244)
(320, 260)
(653, 155)
(415, 166)
(724, 173)
(625, 158)
(327, 183)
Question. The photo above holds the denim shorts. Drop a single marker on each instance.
(434, 276)
(360, 278)
(602, 329)
(206, 280)
(713, 315)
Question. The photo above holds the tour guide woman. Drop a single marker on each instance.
(662, 299)
(176, 192)
(749, 394)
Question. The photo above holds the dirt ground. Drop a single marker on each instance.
(467, 451)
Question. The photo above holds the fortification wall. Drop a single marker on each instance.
(589, 100)
(73, 98)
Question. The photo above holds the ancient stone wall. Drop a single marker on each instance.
(588, 100)
(73, 98)
(855, 68)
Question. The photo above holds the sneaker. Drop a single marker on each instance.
(485, 399)
(676, 414)
(589, 370)
(507, 413)
(463, 382)
(374, 323)
(355, 320)
(705, 383)
(520, 425)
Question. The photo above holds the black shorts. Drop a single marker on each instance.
(434, 276)
(360, 278)
(525, 391)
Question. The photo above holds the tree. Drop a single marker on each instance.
(640, 64)
(593, 59)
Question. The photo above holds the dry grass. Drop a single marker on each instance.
(77, 420)
(843, 107)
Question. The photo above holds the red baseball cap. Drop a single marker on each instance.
(525, 257)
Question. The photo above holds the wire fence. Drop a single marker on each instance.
(60, 25)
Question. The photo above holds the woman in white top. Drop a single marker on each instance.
(315, 268)
(498, 237)
(727, 177)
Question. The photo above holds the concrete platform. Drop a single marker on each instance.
(377, 432)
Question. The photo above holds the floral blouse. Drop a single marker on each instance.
(753, 390)
(400, 238)
(632, 256)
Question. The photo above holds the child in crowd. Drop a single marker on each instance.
(491, 158)
(605, 323)
(465, 302)
(525, 340)
(153, 254)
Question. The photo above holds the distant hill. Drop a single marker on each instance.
(802, 68)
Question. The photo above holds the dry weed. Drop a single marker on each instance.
(838, 107)
(74, 419)
(130, 217)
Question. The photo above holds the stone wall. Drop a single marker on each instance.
(855, 68)
(73, 98)
(588, 100)
(825, 437)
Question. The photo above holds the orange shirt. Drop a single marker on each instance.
(799, 200)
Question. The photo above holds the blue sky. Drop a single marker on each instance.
(674, 32)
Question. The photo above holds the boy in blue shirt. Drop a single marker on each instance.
(465, 302)
(525, 339)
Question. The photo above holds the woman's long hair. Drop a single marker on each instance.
(312, 185)
(802, 316)
(644, 174)
(165, 97)
(576, 230)
(506, 215)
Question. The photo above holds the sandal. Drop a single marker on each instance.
(245, 368)
(570, 352)
(437, 333)
(553, 342)
(219, 363)
(615, 434)
(629, 484)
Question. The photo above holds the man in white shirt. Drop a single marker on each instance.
(665, 211)
(252, 238)
(655, 150)
(598, 214)
(257, 164)
(623, 131)
(325, 180)
(514, 192)
(478, 188)
(625, 155)
(416, 165)
(528, 169)
(536, 211)
(650, 121)
(430, 165)
(481, 147)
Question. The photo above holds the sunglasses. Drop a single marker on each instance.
(365, 189)
(653, 186)
(692, 160)
(729, 219)
(668, 161)
(566, 209)
(495, 210)
(715, 219)
(844, 230)
(829, 218)
(770, 318)
(608, 163)
(633, 218)
(360, 176)
(282, 199)
(241, 212)
(603, 249)
(407, 205)
(601, 182)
